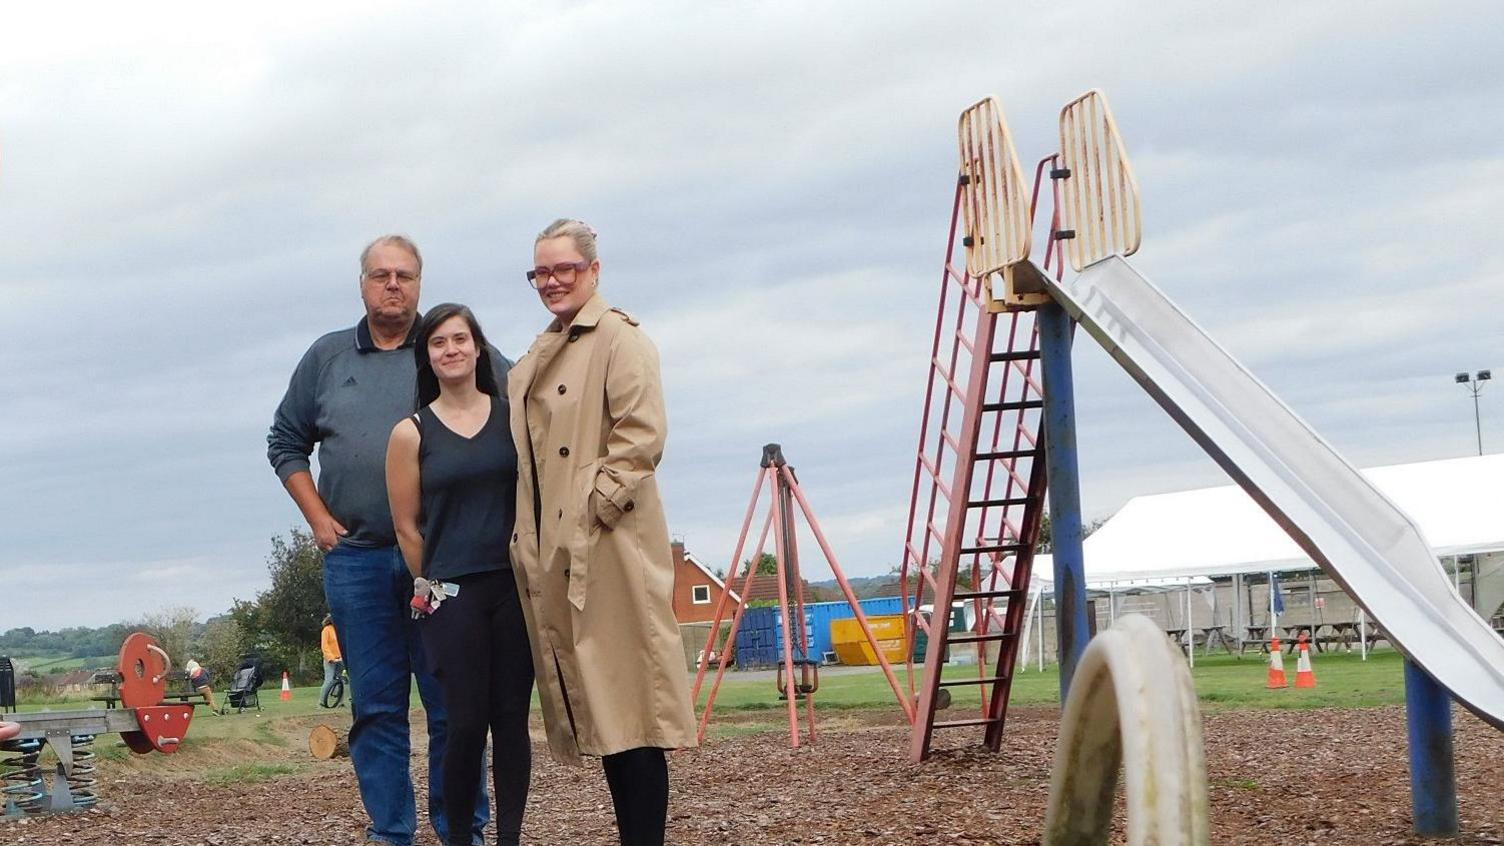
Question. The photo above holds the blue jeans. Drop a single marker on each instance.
(331, 672)
(368, 591)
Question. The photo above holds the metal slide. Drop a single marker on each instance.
(1342, 521)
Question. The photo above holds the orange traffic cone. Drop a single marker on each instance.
(1304, 675)
(286, 688)
(1276, 666)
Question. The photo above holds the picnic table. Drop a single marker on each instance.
(1217, 633)
(1256, 634)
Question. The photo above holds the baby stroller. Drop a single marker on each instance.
(245, 684)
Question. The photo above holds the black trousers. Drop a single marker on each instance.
(476, 643)
(638, 779)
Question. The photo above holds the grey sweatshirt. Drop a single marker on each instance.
(345, 396)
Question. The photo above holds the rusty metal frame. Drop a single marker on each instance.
(961, 515)
(786, 499)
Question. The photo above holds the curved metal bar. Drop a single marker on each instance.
(166, 663)
(1131, 705)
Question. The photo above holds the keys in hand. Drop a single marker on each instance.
(421, 604)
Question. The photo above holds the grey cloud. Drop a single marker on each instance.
(181, 201)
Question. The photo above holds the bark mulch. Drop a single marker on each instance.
(1332, 777)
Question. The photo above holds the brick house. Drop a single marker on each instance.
(696, 589)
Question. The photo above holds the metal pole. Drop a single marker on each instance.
(1237, 611)
(1273, 615)
(1363, 632)
(1190, 632)
(1065, 489)
(1477, 421)
(1041, 632)
(1433, 776)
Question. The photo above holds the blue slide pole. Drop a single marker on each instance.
(1065, 489)
(1433, 776)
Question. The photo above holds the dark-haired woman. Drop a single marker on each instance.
(451, 470)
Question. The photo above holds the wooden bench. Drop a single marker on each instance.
(177, 689)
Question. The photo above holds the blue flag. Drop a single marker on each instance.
(1279, 594)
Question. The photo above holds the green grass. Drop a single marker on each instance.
(248, 773)
(1222, 682)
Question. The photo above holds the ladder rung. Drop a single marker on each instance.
(1005, 455)
(964, 723)
(978, 638)
(966, 682)
(986, 594)
(950, 382)
(1006, 501)
(1020, 405)
(993, 547)
(1016, 355)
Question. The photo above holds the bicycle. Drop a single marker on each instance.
(335, 697)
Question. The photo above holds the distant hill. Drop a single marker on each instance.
(46, 664)
(865, 587)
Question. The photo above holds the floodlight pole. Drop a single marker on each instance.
(1473, 384)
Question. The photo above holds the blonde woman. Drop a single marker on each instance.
(591, 546)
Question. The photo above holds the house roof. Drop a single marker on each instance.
(690, 557)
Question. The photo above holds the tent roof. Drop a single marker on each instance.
(1221, 531)
(1042, 578)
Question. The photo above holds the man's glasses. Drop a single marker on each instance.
(564, 272)
(382, 275)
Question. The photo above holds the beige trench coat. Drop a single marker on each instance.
(591, 550)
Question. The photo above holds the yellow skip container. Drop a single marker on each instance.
(851, 647)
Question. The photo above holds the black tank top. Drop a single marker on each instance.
(469, 488)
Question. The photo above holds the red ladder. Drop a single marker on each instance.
(978, 494)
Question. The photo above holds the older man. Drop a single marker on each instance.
(347, 393)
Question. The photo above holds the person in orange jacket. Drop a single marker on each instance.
(333, 664)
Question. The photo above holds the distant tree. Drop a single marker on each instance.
(283, 622)
(221, 646)
(767, 564)
(1045, 544)
(173, 630)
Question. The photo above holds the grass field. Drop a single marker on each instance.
(1222, 681)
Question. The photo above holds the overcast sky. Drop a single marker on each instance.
(184, 189)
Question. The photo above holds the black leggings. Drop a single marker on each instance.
(638, 779)
(477, 645)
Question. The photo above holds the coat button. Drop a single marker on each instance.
(629, 506)
(574, 335)
(561, 514)
(514, 537)
(561, 389)
(564, 451)
(566, 572)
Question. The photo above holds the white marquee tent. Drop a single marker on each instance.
(1178, 540)
(1458, 504)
